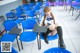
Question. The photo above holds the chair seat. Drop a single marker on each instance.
(13, 51)
(8, 37)
(56, 50)
(53, 37)
(18, 21)
(28, 36)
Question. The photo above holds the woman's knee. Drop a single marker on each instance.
(59, 28)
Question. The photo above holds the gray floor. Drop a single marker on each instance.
(71, 32)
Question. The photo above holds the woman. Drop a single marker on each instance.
(49, 22)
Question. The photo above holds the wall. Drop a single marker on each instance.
(9, 6)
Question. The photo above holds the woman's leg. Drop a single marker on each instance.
(60, 40)
(46, 35)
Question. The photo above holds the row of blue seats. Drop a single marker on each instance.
(10, 24)
(26, 10)
(28, 36)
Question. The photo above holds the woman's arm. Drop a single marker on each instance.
(43, 20)
(53, 17)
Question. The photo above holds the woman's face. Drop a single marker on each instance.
(47, 13)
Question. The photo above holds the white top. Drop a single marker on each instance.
(49, 20)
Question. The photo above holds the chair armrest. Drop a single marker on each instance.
(15, 30)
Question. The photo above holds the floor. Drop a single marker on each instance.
(71, 32)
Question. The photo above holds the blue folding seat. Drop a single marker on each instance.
(10, 15)
(26, 8)
(11, 32)
(31, 4)
(28, 36)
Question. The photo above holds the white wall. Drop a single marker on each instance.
(9, 6)
(3, 2)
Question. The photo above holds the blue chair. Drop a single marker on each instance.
(9, 25)
(27, 8)
(36, 8)
(13, 17)
(28, 36)
(39, 3)
(31, 13)
(19, 9)
(8, 37)
(40, 30)
(49, 38)
(10, 15)
(13, 51)
(18, 21)
(31, 5)
(28, 23)
(20, 15)
(56, 50)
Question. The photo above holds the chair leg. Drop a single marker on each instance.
(21, 45)
(39, 41)
(18, 44)
(66, 7)
(77, 17)
(70, 9)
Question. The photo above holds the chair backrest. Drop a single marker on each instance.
(31, 4)
(39, 3)
(9, 25)
(31, 13)
(26, 8)
(19, 8)
(36, 7)
(28, 23)
(20, 14)
(10, 15)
